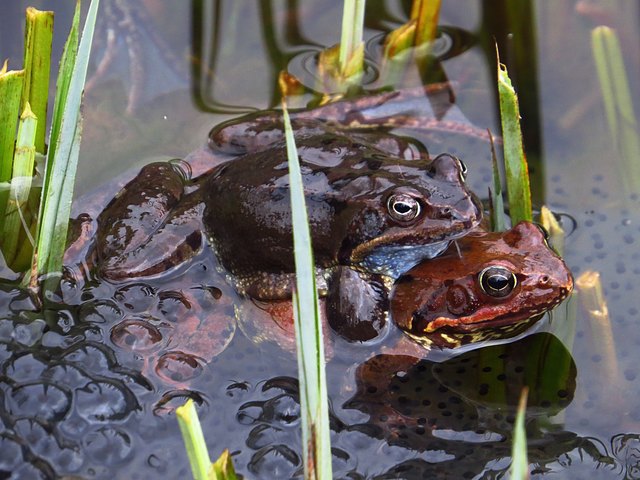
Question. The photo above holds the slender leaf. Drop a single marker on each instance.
(62, 164)
(316, 441)
(223, 468)
(426, 14)
(498, 221)
(65, 73)
(352, 28)
(193, 439)
(342, 65)
(519, 460)
(37, 67)
(618, 104)
(24, 159)
(518, 189)
(10, 91)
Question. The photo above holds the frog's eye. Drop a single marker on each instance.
(403, 207)
(497, 281)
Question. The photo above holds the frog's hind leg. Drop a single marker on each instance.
(177, 240)
(149, 226)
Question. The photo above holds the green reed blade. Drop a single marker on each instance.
(10, 91)
(314, 412)
(62, 161)
(65, 72)
(196, 447)
(352, 28)
(497, 215)
(37, 67)
(193, 439)
(223, 468)
(518, 189)
(618, 104)
(519, 460)
(426, 14)
(342, 65)
(22, 175)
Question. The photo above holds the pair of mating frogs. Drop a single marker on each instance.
(381, 211)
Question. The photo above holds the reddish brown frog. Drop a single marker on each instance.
(486, 285)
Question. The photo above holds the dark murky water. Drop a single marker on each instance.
(86, 386)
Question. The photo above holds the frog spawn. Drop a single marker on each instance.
(165, 329)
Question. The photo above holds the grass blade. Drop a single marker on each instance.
(65, 72)
(223, 467)
(342, 65)
(426, 14)
(37, 65)
(618, 104)
(193, 439)
(519, 461)
(316, 441)
(62, 162)
(518, 189)
(497, 216)
(10, 91)
(196, 447)
(352, 28)
(22, 175)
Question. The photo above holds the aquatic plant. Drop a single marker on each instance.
(516, 169)
(316, 441)
(201, 466)
(19, 227)
(342, 66)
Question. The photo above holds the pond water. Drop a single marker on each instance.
(87, 389)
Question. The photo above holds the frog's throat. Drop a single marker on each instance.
(394, 254)
(394, 260)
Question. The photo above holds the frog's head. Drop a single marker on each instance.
(413, 214)
(494, 284)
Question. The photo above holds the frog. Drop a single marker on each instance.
(486, 285)
(378, 203)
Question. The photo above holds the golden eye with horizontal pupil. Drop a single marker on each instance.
(403, 207)
(497, 281)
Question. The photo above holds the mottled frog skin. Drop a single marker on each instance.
(486, 285)
(377, 203)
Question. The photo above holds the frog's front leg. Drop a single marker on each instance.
(357, 304)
